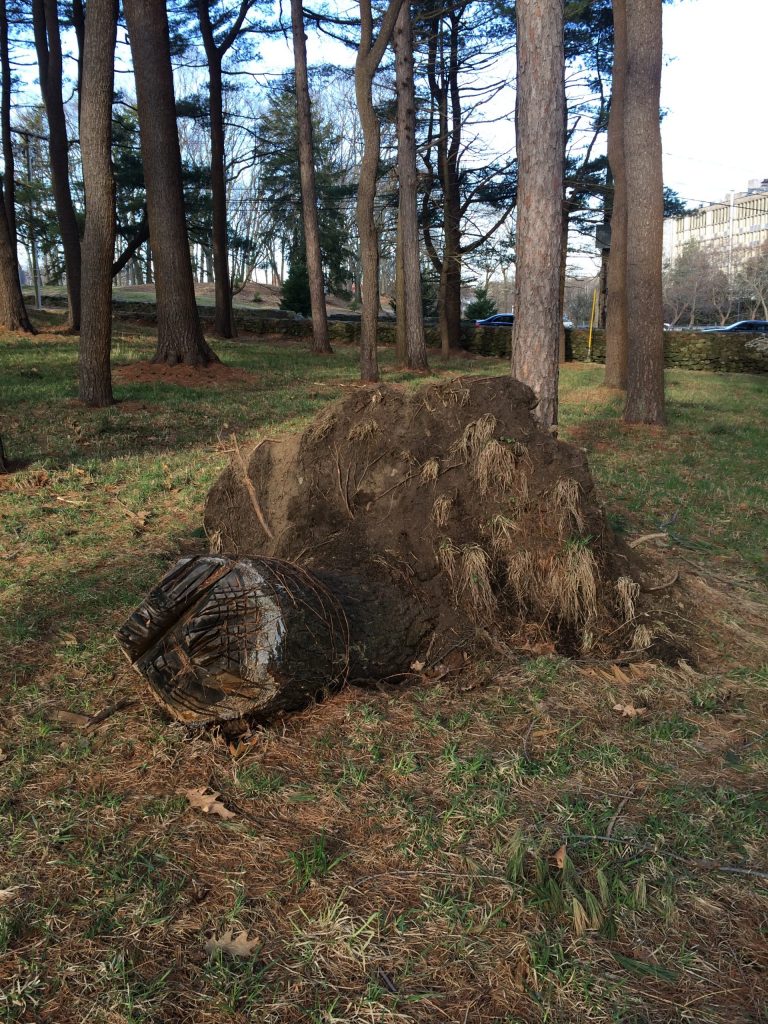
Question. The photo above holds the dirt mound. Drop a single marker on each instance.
(213, 375)
(452, 496)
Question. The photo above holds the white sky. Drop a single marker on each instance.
(714, 86)
(714, 133)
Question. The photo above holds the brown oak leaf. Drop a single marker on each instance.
(629, 710)
(233, 944)
(207, 802)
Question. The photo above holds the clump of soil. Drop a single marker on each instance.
(452, 496)
(213, 375)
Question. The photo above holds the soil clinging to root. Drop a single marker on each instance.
(451, 496)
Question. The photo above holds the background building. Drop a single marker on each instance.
(736, 227)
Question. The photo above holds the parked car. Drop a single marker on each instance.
(497, 320)
(745, 326)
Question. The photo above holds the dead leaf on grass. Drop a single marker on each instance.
(629, 710)
(7, 894)
(417, 666)
(233, 944)
(208, 802)
(560, 856)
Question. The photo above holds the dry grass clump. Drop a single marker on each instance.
(572, 585)
(362, 430)
(475, 580)
(642, 638)
(523, 577)
(441, 510)
(502, 530)
(475, 437)
(447, 554)
(566, 499)
(430, 471)
(495, 469)
(627, 592)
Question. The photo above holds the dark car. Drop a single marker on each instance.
(497, 320)
(745, 326)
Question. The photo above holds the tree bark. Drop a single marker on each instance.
(411, 315)
(45, 20)
(369, 55)
(321, 343)
(179, 334)
(9, 179)
(224, 323)
(95, 379)
(540, 122)
(616, 283)
(13, 312)
(219, 639)
(645, 214)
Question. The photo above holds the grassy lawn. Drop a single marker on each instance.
(498, 845)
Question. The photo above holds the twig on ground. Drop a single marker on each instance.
(646, 537)
(250, 488)
(663, 586)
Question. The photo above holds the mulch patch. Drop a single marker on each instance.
(213, 375)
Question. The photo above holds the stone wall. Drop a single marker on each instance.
(688, 350)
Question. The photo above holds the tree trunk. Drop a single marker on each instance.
(401, 325)
(219, 639)
(3, 461)
(95, 380)
(13, 313)
(411, 315)
(540, 148)
(645, 214)
(49, 57)
(369, 55)
(366, 224)
(565, 224)
(320, 341)
(224, 323)
(616, 283)
(179, 334)
(9, 180)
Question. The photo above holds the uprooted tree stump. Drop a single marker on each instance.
(396, 518)
(220, 638)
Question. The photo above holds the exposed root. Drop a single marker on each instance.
(627, 592)
(441, 510)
